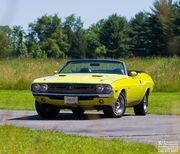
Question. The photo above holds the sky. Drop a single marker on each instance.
(22, 12)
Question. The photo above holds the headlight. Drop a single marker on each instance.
(44, 87)
(104, 89)
(99, 88)
(35, 87)
(108, 89)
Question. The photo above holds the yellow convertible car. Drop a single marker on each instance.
(92, 84)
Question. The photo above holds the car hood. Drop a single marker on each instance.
(81, 78)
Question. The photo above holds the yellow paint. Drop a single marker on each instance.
(135, 87)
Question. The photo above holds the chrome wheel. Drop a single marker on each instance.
(142, 107)
(145, 103)
(117, 109)
(119, 106)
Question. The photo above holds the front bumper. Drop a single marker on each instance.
(84, 99)
(84, 95)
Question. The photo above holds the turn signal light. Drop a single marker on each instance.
(101, 101)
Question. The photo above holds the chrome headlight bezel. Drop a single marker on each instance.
(107, 89)
(44, 87)
(35, 87)
(99, 88)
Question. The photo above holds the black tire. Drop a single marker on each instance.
(142, 107)
(46, 110)
(78, 111)
(118, 109)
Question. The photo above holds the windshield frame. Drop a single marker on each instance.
(93, 60)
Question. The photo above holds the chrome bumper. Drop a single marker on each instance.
(84, 95)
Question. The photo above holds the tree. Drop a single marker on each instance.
(52, 48)
(5, 41)
(17, 37)
(78, 45)
(93, 41)
(72, 23)
(176, 10)
(36, 51)
(163, 40)
(100, 51)
(73, 27)
(114, 35)
(140, 34)
(48, 33)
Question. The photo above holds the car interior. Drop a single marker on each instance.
(114, 71)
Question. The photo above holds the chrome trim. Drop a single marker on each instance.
(94, 60)
(56, 94)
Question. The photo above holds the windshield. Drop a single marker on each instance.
(109, 67)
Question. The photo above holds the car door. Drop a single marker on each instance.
(134, 89)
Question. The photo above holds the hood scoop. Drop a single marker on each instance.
(97, 76)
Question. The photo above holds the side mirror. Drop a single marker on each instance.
(133, 74)
(55, 72)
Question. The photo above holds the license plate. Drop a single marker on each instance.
(70, 100)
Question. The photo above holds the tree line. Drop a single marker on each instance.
(155, 33)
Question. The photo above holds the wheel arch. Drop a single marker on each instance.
(148, 90)
(124, 91)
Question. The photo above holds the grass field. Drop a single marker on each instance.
(19, 73)
(159, 102)
(23, 140)
(16, 76)
(16, 100)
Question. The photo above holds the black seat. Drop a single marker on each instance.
(118, 71)
(85, 70)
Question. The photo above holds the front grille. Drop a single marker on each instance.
(66, 88)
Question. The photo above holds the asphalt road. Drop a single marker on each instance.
(148, 129)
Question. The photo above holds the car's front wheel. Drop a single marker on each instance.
(117, 109)
(46, 110)
(142, 107)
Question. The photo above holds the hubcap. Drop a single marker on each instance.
(119, 106)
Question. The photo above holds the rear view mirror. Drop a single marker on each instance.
(133, 74)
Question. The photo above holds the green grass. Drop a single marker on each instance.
(16, 100)
(164, 71)
(23, 140)
(165, 103)
(159, 102)
(16, 76)
(19, 73)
